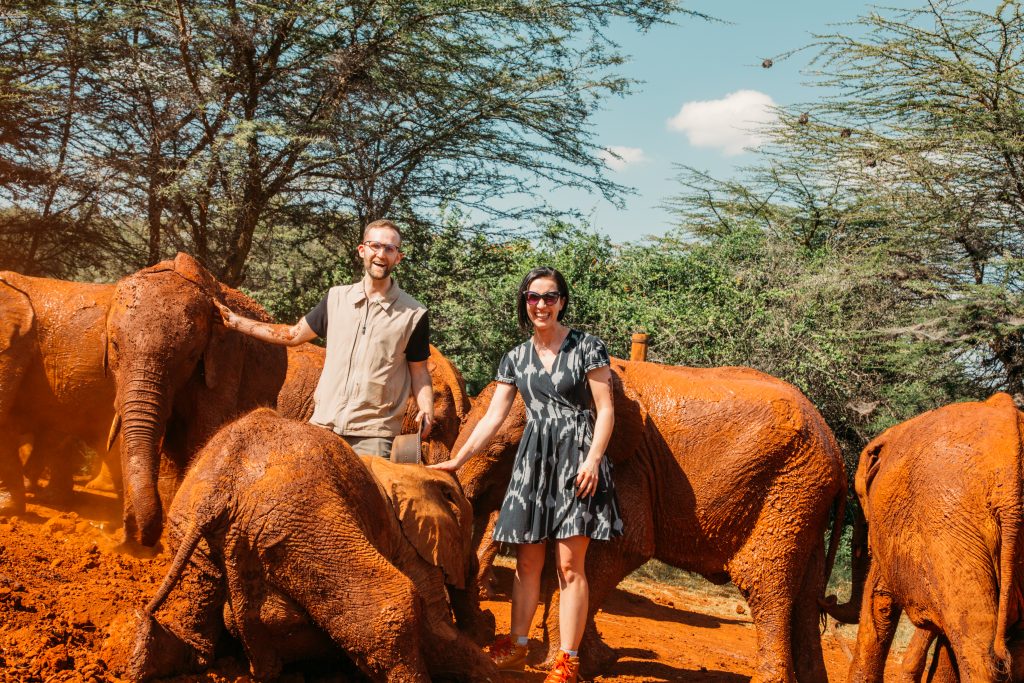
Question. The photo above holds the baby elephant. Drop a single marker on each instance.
(283, 536)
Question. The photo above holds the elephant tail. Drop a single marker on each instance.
(839, 516)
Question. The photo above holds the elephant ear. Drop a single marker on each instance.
(434, 515)
(630, 418)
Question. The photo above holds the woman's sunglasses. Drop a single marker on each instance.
(550, 298)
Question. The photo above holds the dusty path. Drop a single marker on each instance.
(68, 597)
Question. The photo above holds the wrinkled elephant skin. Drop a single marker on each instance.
(726, 472)
(284, 536)
(52, 382)
(942, 497)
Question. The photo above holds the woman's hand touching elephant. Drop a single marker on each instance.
(451, 465)
(586, 477)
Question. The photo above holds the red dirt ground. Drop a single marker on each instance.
(68, 596)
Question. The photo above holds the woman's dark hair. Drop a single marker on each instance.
(524, 286)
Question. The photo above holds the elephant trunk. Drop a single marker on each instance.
(860, 562)
(142, 425)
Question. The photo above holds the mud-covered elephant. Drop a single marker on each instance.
(283, 536)
(52, 383)
(180, 375)
(941, 494)
(726, 472)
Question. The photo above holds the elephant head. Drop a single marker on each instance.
(177, 375)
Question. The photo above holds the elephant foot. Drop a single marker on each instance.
(596, 657)
(487, 583)
(102, 482)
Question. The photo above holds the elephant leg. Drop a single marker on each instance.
(808, 657)
(12, 498)
(108, 478)
(879, 615)
(367, 606)
(769, 572)
(486, 551)
(915, 657)
(58, 453)
(944, 668)
(264, 661)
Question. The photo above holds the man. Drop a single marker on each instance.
(377, 349)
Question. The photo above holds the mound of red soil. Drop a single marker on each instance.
(69, 595)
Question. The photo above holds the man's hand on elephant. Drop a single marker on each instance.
(425, 421)
(227, 316)
(586, 478)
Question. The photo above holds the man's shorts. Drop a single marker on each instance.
(369, 445)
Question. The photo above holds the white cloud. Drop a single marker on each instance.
(731, 124)
(618, 158)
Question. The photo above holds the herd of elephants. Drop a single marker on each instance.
(282, 537)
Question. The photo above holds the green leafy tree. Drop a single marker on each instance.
(218, 123)
(923, 137)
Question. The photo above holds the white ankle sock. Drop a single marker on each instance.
(572, 653)
(522, 640)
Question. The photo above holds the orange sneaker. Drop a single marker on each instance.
(507, 655)
(565, 670)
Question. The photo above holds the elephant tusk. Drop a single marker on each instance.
(115, 430)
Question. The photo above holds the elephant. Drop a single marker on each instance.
(726, 472)
(180, 376)
(52, 383)
(941, 494)
(285, 538)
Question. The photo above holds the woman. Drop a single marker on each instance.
(561, 484)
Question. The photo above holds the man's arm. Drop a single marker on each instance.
(423, 392)
(273, 333)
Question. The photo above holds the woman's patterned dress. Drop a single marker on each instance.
(541, 500)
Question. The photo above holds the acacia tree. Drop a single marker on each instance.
(223, 120)
(926, 121)
(49, 220)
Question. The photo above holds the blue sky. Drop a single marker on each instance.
(700, 64)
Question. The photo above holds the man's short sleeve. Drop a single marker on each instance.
(317, 318)
(418, 348)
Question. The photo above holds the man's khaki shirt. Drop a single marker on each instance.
(366, 381)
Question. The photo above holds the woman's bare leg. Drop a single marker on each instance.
(575, 593)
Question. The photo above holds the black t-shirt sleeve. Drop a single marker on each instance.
(418, 348)
(317, 318)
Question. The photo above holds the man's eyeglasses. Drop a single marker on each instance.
(550, 298)
(389, 249)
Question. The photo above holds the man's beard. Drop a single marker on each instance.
(387, 272)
